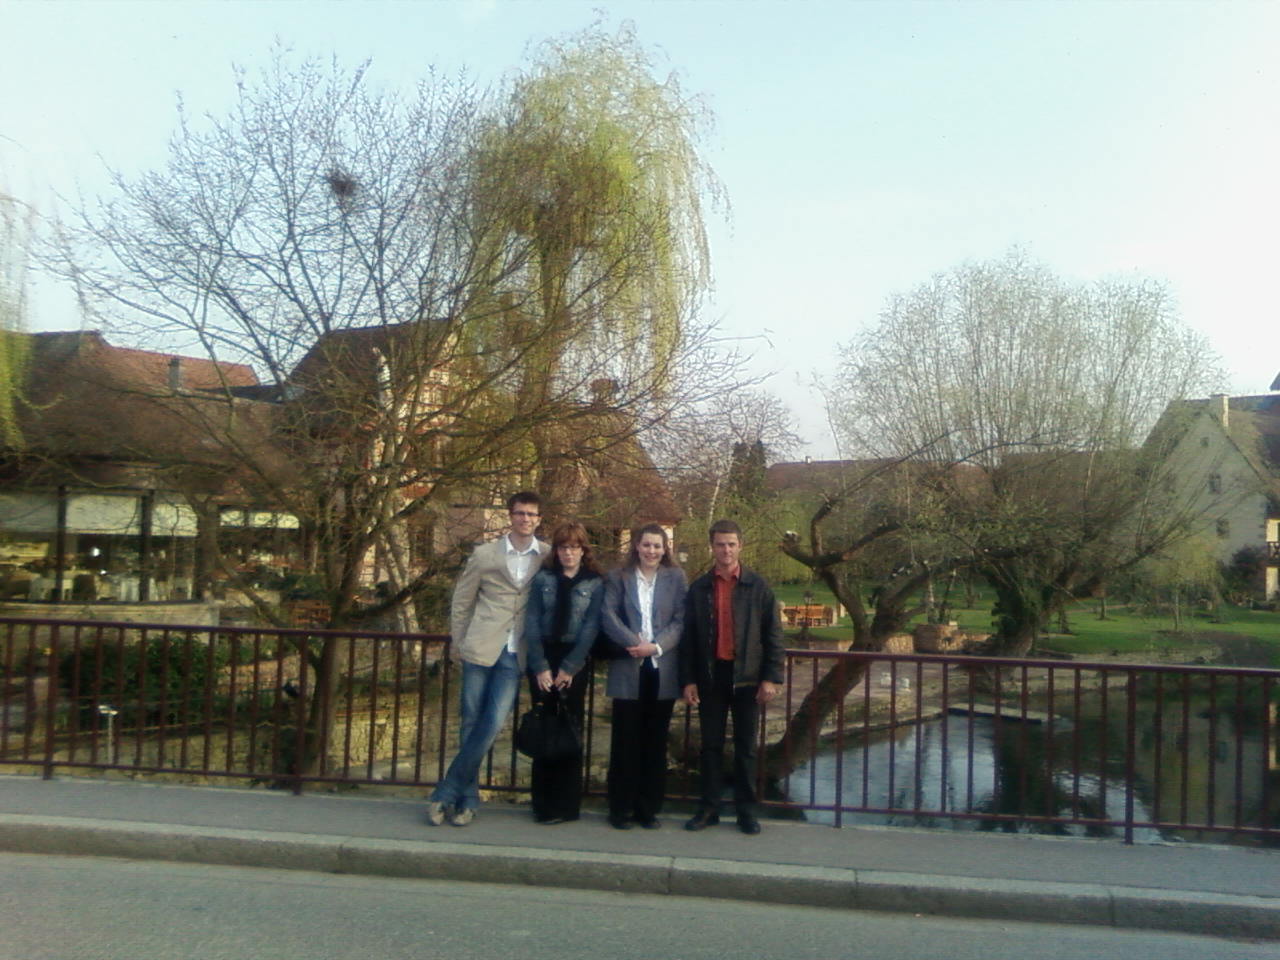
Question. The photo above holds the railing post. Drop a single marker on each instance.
(1130, 753)
(50, 704)
(300, 738)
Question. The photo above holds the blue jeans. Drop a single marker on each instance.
(488, 694)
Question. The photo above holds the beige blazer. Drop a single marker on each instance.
(488, 606)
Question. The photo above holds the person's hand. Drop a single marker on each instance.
(641, 650)
(562, 679)
(766, 692)
(691, 694)
(544, 680)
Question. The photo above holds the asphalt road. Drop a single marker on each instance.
(84, 908)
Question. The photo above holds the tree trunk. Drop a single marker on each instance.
(320, 711)
(1019, 614)
(397, 553)
(805, 725)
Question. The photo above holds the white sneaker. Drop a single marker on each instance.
(435, 812)
(461, 818)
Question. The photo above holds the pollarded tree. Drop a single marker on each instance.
(1049, 388)
(869, 540)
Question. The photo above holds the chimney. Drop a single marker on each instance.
(603, 391)
(175, 374)
(1222, 409)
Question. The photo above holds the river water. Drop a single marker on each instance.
(972, 764)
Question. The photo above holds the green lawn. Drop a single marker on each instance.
(1123, 631)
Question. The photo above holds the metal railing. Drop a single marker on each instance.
(1061, 747)
(1046, 745)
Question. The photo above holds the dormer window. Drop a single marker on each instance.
(1215, 483)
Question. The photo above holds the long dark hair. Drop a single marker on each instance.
(575, 534)
(633, 555)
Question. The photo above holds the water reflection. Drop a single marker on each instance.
(1197, 759)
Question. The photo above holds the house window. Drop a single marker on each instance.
(112, 546)
(1215, 483)
(1224, 528)
(1204, 441)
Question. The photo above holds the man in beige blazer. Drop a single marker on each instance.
(486, 621)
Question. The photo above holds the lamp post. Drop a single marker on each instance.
(110, 712)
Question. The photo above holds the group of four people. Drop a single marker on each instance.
(523, 605)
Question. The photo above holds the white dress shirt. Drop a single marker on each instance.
(519, 565)
(645, 588)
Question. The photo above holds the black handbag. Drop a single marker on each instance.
(606, 648)
(548, 731)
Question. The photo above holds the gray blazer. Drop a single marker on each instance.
(621, 621)
(487, 604)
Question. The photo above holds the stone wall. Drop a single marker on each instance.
(945, 638)
(900, 643)
(22, 641)
(183, 613)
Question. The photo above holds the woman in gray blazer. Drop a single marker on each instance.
(643, 615)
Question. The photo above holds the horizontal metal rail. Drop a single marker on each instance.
(1102, 749)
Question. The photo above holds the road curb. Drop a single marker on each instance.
(851, 889)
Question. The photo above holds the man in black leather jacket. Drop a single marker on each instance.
(731, 661)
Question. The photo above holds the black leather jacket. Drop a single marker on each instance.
(757, 632)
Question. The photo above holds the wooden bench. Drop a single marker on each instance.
(809, 615)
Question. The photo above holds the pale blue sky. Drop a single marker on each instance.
(864, 146)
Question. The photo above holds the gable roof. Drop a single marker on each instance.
(86, 350)
(85, 399)
(1250, 423)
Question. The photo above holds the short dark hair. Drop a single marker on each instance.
(524, 496)
(725, 526)
(633, 555)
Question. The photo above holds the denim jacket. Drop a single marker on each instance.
(585, 598)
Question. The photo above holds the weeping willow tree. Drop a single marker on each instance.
(592, 167)
(16, 220)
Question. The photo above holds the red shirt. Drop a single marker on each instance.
(723, 599)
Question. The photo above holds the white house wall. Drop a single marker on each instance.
(1205, 452)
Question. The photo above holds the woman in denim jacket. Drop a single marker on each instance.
(561, 623)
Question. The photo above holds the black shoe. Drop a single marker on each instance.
(550, 820)
(701, 820)
(749, 825)
(649, 823)
(619, 823)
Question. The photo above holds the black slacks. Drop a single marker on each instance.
(717, 702)
(556, 785)
(638, 751)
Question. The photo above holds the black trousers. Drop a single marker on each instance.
(556, 785)
(717, 702)
(638, 751)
